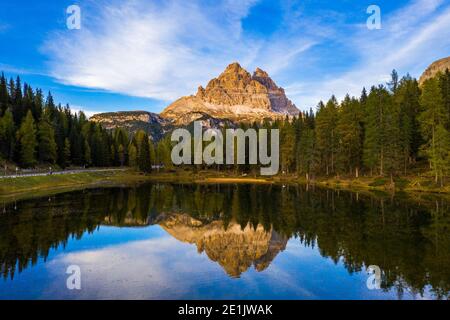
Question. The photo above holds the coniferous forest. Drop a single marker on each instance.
(35, 131)
(391, 130)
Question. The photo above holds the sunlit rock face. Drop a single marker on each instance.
(133, 121)
(235, 95)
(234, 248)
(438, 66)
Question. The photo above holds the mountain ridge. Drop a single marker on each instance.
(235, 96)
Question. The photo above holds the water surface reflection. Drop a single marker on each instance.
(246, 241)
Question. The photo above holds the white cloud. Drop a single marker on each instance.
(150, 51)
(88, 113)
(162, 51)
(410, 39)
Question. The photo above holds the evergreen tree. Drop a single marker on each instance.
(306, 145)
(47, 144)
(432, 122)
(144, 155)
(406, 98)
(26, 138)
(382, 149)
(326, 135)
(7, 136)
(17, 106)
(87, 154)
(349, 130)
(132, 155)
(66, 161)
(445, 90)
(4, 98)
(287, 147)
(121, 154)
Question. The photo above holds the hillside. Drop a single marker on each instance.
(438, 66)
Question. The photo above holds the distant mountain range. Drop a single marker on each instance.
(234, 96)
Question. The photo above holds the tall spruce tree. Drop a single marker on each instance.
(432, 122)
(7, 136)
(26, 138)
(144, 155)
(349, 130)
(4, 98)
(67, 158)
(326, 135)
(382, 129)
(47, 144)
(406, 98)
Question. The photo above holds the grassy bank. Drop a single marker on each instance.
(26, 187)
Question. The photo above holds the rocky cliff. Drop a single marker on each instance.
(234, 95)
(438, 66)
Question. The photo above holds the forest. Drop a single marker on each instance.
(396, 129)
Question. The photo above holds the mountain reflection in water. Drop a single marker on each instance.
(247, 226)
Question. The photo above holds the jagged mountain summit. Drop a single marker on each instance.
(234, 95)
(440, 65)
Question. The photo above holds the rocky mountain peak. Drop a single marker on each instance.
(234, 95)
(438, 66)
(263, 77)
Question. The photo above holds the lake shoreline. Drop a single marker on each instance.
(30, 187)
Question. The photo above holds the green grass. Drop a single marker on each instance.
(25, 187)
(28, 187)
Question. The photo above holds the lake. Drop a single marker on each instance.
(169, 241)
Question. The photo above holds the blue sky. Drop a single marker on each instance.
(138, 54)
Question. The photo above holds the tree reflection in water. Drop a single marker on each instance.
(240, 226)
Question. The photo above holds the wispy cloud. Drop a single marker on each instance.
(150, 51)
(165, 49)
(88, 113)
(162, 50)
(410, 39)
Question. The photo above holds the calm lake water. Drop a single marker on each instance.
(166, 241)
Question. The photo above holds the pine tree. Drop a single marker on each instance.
(393, 84)
(349, 130)
(87, 154)
(287, 147)
(26, 138)
(17, 106)
(326, 135)
(66, 159)
(4, 98)
(445, 90)
(121, 155)
(47, 144)
(306, 145)
(144, 155)
(7, 136)
(432, 121)
(132, 155)
(406, 99)
(382, 148)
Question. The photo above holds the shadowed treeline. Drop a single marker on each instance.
(410, 242)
